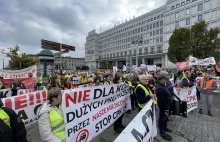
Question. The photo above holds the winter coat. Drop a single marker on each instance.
(44, 123)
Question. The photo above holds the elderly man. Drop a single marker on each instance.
(142, 92)
(164, 102)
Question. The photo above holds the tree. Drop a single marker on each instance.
(198, 41)
(179, 46)
(19, 61)
(203, 41)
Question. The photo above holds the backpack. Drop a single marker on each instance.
(6, 134)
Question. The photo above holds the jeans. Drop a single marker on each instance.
(162, 121)
(208, 99)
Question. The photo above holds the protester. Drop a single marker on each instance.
(54, 82)
(164, 102)
(142, 92)
(50, 117)
(207, 87)
(134, 102)
(1, 83)
(67, 84)
(217, 70)
(118, 126)
(44, 85)
(187, 80)
(97, 82)
(16, 86)
(135, 80)
(84, 78)
(12, 129)
(90, 82)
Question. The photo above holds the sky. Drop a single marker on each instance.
(26, 22)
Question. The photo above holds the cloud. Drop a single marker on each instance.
(68, 21)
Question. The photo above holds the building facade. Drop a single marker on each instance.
(144, 39)
(68, 63)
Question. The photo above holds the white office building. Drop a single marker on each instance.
(147, 36)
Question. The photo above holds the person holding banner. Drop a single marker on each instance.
(143, 93)
(164, 102)
(118, 126)
(50, 117)
(67, 85)
(207, 87)
(16, 86)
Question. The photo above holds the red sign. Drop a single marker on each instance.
(182, 66)
(51, 45)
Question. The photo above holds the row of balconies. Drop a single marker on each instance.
(134, 54)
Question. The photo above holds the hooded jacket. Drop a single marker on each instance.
(44, 123)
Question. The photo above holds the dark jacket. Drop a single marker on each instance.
(141, 96)
(169, 86)
(14, 89)
(163, 97)
(186, 83)
(18, 128)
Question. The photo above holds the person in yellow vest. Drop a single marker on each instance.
(45, 84)
(84, 78)
(12, 129)
(143, 94)
(50, 117)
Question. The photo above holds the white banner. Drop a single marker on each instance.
(151, 67)
(188, 95)
(24, 73)
(142, 128)
(89, 111)
(24, 91)
(5, 93)
(26, 105)
(202, 62)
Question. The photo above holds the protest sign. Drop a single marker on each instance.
(26, 76)
(202, 62)
(151, 67)
(5, 93)
(188, 95)
(142, 128)
(26, 105)
(89, 111)
(182, 66)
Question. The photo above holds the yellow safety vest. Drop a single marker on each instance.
(57, 125)
(4, 117)
(130, 84)
(84, 80)
(146, 93)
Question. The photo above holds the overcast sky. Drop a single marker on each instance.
(26, 22)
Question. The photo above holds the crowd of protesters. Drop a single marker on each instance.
(144, 86)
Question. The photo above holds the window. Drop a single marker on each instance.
(152, 50)
(183, 3)
(150, 26)
(153, 33)
(157, 40)
(147, 27)
(157, 32)
(158, 24)
(178, 5)
(172, 7)
(161, 31)
(177, 14)
(193, 0)
(161, 39)
(187, 21)
(199, 18)
(159, 50)
(177, 24)
(154, 25)
(200, 7)
(150, 34)
(187, 11)
(161, 23)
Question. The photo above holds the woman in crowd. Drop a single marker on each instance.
(54, 82)
(97, 81)
(90, 81)
(50, 117)
(118, 126)
(67, 84)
